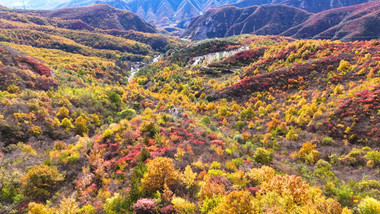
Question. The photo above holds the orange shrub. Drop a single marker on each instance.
(160, 172)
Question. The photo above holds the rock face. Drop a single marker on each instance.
(358, 22)
(229, 21)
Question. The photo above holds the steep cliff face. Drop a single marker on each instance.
(228, 21)
(358, 22)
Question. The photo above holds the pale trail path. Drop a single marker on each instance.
(135, 68)
(212, 57)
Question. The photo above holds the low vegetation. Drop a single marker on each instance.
(294, 128)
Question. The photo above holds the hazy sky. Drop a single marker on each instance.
(31, 4)
(11, 3)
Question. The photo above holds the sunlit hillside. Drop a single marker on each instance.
(109, 120)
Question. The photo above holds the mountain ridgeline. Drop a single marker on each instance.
(160, 11)
(80, 30)
(308, 5)
(229, 21)
(166, 12)
(101, 16)
(357, 22)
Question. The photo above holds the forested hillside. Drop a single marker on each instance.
(244, 124)
(358, 22)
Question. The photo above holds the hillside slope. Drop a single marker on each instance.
(283, 126)
(358, 22)
(111, 28)
(308, 5)
(161, 12)
(228, 21)
(166, 12)
(102, 16)
(236, 125)
(13, 72)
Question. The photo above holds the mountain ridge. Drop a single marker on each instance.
(185, 10)
(102, 16)
(176, 11)
(349, 19)
(169, 12)
(313, 6)
(347, 23)
(214, 23)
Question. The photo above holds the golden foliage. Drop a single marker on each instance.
(35, 208)
(209, 188)
(236, 202)
(67, 206)
(307, 153)
(161, 171)
(188, 177)
(183, 206)
(40, 181)
(260, 175)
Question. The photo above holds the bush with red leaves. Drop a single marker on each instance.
(145, 206)
(37, 66)
(253, 190)
(361, 110)
(217, 142)
(168, 209)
